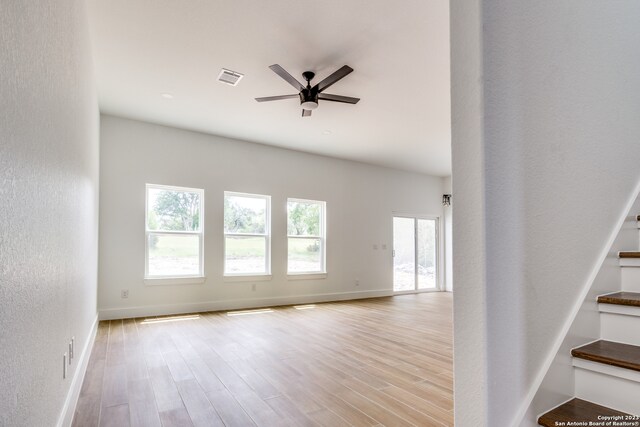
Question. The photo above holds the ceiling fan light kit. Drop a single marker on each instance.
(309, 105)
(309, 96)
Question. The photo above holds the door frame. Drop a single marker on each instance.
(436, 218)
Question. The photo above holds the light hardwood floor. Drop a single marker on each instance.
(375, 362)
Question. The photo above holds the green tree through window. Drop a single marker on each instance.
(304, 219)
(176, 210)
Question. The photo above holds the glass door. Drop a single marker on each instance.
(415, 254)
(426, 243)
(404, 254)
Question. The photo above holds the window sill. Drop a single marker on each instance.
(156, 281)
(306, 276)
(247, 278)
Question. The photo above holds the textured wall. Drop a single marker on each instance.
(467, 145)
(48, 207)
(360, 201)
(560, 156)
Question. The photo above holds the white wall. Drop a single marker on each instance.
(469, 217)
(49, 211)
(555, 143)
(360, 202)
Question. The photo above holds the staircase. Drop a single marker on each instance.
(607, 371)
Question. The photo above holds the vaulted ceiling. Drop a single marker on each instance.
(399, 51)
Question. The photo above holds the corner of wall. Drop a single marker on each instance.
(71, 402)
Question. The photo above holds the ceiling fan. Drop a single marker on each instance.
(309, 96)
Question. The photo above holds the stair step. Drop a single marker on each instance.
(621, 298)
(629, 254)
(610, 353)
(577, 410)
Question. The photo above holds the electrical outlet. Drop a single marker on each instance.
(375, 247)
(124, 293)
(253, 287)
(384, 247)
(357, 282)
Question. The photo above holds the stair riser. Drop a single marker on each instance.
(630, 277)
(607, 390)
(620, 328)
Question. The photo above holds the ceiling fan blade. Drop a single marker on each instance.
(306, 113)
(338, 98)
(324, 84)
(276, 98)
(286, 76)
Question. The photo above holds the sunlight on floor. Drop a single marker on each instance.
(246, 312)
(171, 319)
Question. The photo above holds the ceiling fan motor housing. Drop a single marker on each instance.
(309, 99)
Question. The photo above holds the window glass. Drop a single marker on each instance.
(171, 210)
(174, 232)
(246, 230)
(306, 236)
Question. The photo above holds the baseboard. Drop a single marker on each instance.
(158, 310)
(68, 410)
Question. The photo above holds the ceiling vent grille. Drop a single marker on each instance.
(229, 77)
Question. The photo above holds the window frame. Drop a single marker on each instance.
(322, 237)
(266, 236)
(171, 279)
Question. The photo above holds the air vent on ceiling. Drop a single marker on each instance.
(229, 77)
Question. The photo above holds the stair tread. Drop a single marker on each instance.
(610, 353)
(629, 254)
(576, 410)
(621, 298)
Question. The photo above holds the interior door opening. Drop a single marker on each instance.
(415, 254)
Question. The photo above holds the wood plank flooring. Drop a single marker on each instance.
(369, 363)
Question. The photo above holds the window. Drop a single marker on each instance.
(306, 236)
(247, 243)
(174, 232)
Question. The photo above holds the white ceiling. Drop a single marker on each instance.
(398, 49)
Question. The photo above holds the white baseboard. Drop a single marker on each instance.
(68, 410)
(158, 310)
